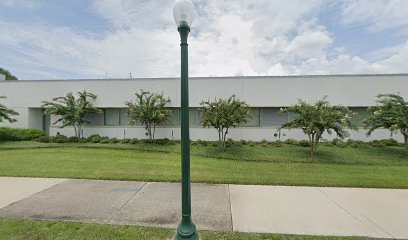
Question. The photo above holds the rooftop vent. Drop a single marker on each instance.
(2, 77)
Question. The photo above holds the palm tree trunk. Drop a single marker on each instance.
(154, 130)
(149, 131)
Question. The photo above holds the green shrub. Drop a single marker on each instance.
(82, 140)
(126, 140)
(291, 141)
(134, 141)
(303, 143)
(243, 142)
(377, 143)
(29, 134)
(114, 140)
(200, 142)
(277, 143)
(163, 141)
(73, 139)
(95, 138)
(355, 144)
(59, 139)
(339, 143)
(264, 141)
(44, 139)
(390, 142)
(104, 140)
(19, 134)
(229, 142)
(384, 143)
(146, 141)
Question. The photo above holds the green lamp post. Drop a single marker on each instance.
(183, 12)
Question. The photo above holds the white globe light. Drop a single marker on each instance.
(183, 12)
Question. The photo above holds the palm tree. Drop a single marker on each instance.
(6, 113)
(71, 110)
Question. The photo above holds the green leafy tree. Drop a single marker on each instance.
(149, 109)
(7, 113)
(71, 110)
(390, 112)
(317, 119)
(224, 114)
(8, 75)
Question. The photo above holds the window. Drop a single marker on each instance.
(173, 119)
(361, 114)
(123, 118)
(112, 116)
(199, 118)
(94, 119)
(253, 120)
(194, 117)
(272, 117)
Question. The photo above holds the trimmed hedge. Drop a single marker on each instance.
(8, 134)
(19, 134)
(384, 143)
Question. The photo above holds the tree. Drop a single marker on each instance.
(390, 112)
(148, 109)
(224, 114)
(8, 75)
(317, 119)
(71, 110)
(7, 113)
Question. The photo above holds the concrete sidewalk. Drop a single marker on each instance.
(380, 213)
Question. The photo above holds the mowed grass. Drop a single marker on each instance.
(38, 230)
(287, 165)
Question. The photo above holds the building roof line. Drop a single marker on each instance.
(210, 78)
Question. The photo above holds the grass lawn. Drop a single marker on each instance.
(38, 230)
(367, 166)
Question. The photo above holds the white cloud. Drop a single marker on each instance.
(130, 13)
(396, 62)
(228, 38)
(376, 15)
(63, 52)
(309, 44)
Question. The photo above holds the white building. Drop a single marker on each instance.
(265, 95)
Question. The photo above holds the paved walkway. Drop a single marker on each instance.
(380, 213)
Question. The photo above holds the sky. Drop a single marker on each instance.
(60, 39)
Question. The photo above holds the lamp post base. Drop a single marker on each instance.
(186, 230)
(194, 237)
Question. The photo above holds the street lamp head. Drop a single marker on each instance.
(183, 12)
